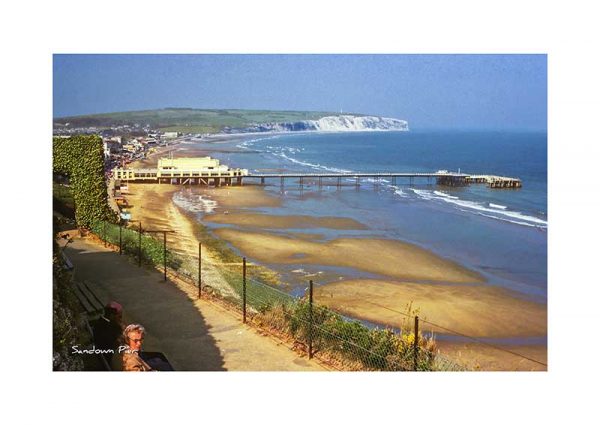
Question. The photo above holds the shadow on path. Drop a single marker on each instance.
(173, 323)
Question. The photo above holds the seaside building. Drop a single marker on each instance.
(106, 147)
(201, 170)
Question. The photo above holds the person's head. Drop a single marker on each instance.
(134, 336)
(113, 311)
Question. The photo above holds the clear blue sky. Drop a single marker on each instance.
(430, 91)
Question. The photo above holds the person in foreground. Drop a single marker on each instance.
(108, 330)
(134, 337)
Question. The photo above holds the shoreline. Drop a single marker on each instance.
(250, 227)
(154, 205)
(229, 136)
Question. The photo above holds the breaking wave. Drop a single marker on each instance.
(248, 144)
(496, 212)
(194, 203)
(311, 165)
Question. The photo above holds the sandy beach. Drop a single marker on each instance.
(442, 291)
(474, 310)
(151, 203)
(380, 256)
(238, 197)
(268, 221)
(480, 311)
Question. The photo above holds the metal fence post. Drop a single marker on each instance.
(310, 319)
(165, 255)
(140, 245)
(244, 288)
(120, 237)
(416, 347)
(199, 269)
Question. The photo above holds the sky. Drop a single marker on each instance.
(493, 92)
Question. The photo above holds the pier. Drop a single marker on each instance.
(441, 178)
(206, 171)
(237, 177)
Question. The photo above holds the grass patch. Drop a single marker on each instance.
(182, 119)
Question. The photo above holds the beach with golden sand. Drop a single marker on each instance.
(442, 291)
(383, 257)
(468, 309)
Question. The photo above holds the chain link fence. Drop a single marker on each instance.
(339, 341)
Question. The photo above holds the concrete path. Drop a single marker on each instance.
(193, 334)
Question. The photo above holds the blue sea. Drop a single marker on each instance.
(502, 233)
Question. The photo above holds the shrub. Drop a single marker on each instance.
(82, 159)
(299, 324)
(152, 248)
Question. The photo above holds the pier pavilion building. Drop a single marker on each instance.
(201, 170)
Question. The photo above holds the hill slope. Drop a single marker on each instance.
(190, 120)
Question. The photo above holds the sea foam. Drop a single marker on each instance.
(194, 203)
(496, 212)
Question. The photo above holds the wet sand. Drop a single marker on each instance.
(268, 221)
(474, 310)
(241, 197)
(152, 204)
(384, 257)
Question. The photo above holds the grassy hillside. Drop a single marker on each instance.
(189, 120)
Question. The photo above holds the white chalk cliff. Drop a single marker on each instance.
(358, 123)
(331, 123)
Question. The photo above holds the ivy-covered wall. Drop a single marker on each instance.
(81, 157)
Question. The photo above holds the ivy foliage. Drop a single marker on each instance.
(81, 157)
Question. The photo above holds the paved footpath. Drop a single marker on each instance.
(193, 334)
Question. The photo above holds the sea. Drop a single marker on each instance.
(501, 233)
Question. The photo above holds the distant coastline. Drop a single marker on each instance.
(224, 121)
(338, 123)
